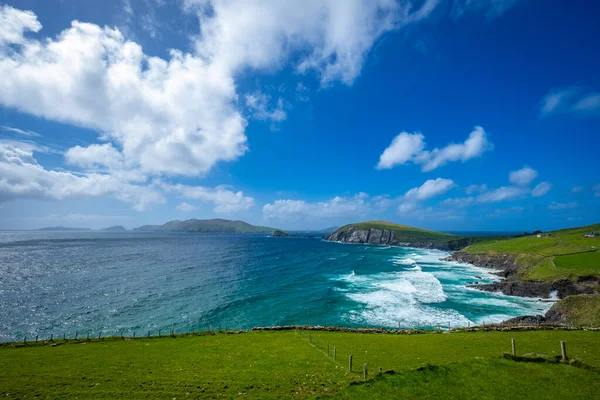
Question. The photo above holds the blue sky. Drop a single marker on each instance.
(451, 115)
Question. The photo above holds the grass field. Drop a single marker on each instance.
(279, 364)
(481, 379)
(403, 229)
(564, 254)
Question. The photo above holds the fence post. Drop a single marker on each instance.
(134, 334)
(121, 333)
(76, 334)
(514, 347)
(99, 335)
(563, 350)
(88, 335)
(52, 337)
(399, 326)
(64, 336)
(335, 352)
(365, 371)
(350, 363)
(25, 340)
(36, 338)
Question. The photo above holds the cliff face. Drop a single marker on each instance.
(390, 237)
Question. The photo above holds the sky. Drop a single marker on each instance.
(458, 115)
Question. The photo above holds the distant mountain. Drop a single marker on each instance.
(116, 228)
(330, 230)
(206, 225)
(62, 228)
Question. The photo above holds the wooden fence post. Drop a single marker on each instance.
(563, 350)
(52, 337)
(25, 340)
(514, 347)
(121, 333)
(365, 371)
(350, 363)
(99, 335)
(36, 338)
(64, 336)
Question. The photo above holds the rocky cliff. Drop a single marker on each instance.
(392, 237)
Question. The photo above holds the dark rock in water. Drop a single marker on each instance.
(279, 233)
(527, 319)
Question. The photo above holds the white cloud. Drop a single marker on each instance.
(22, 177)
(596, 190)
(355, 206)
(402, 149)
(431, 188)
(471, 189)
(523, 176)
(492, 8)
(577, 189)
(541, 189)
(562, 206)
(332, 38)
(410, 147)
(501, 194)
(458, 202)
(185, 207)
(13, 23)
(21, 132)
(574, 100)
(258, 104)
(224, 200)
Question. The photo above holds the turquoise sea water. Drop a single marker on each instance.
(63, 282)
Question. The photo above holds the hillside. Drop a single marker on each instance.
(207, 226)
(565, 261)
(286, 364)
(388, 233)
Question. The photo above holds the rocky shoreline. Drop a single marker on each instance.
(514, 286)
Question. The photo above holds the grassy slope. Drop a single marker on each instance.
(489, 379)
(265, 364)
(564, 254)
(580, 310)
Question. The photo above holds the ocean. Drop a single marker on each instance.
(66, 282)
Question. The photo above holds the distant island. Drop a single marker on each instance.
(206, 226)
(61, 228)
(116, 228)
(279, 233)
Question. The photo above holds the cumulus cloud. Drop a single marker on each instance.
(403, 148)
(577, 189)
(407, 147)
(355, 206)
(431, 188)
(541, 189)
(523, 176)
(332, 38)
(225, 200)
(575, 100)
(21, 176)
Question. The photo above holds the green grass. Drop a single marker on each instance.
(482, 379)
(257, 364)
(580, 310)
(564, 254)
